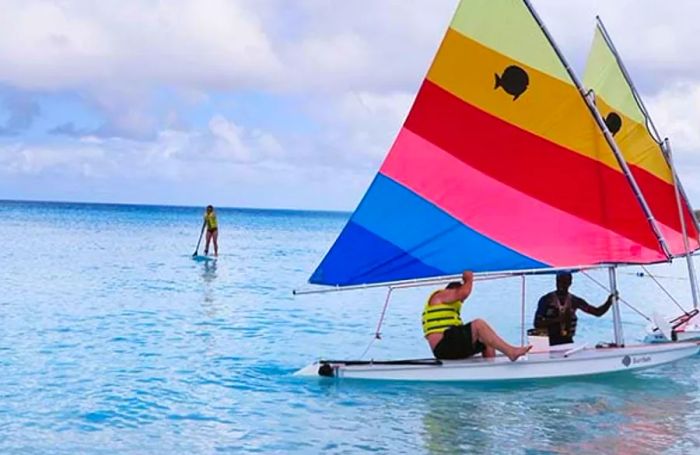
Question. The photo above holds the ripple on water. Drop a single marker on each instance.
(126, 345)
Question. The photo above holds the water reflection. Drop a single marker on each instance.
(208, 278)
(627, 413)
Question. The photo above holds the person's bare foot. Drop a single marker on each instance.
(518, 352)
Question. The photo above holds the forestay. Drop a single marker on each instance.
(500, 165)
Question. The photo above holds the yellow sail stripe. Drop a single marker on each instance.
(605, 77)
(549, 107)
(507, 27)
(637, 145)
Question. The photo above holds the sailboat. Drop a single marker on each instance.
(649, 158)
(504, 166)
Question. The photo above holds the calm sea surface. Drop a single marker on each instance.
(113, 340)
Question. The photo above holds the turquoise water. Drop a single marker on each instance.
(114, 340)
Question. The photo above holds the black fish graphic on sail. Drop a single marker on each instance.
(514, 81)
(613, 122)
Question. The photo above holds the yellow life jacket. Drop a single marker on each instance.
(210, 218)
(438, 318)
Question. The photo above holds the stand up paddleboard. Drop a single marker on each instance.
(203, 258)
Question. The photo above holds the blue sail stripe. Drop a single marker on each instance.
(415, 229)
(361, 257)
(399, 215)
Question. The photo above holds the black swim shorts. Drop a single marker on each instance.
(457, 344)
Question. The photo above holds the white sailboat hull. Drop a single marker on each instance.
(691, 334)
(541, 365)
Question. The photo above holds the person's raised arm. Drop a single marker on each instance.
(454, 294)
(595, 311)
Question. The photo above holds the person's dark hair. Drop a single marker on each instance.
(210, 207)
(564, 279)
(454, 285)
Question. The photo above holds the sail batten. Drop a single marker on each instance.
(500, 165)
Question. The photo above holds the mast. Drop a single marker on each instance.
(688, 257)
(606, 132)
(650, 123)
(617, 321)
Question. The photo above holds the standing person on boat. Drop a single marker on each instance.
(556, 312)
(212, 230)
(449, 338)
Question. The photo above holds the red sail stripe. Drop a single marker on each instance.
(537, 167)
(661, 198)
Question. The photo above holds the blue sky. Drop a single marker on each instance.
(268, 103)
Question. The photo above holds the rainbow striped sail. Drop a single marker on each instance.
(627, 119)
(499, 166)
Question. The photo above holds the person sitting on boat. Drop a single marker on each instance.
(556, 312)
(212, 230)
(449, 338)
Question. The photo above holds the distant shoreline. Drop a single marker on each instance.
(171, 206)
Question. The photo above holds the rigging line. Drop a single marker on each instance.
(362, 356)
(620, 299)
(664, 289)
(663, 277)
(377, 332)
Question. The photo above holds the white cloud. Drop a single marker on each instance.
(658, 40)
(354, 66)
(77, 44)
(178, 167)
(231, 142)
(676, 112)
(33, 160)
(228, 141)
(359, 127)
(307, 45)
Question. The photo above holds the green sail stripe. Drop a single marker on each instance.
(605, 77)
(507, 26)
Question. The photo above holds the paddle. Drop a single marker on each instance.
(196, 250)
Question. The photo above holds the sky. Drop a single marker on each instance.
(269, 103)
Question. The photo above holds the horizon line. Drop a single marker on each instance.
(141, 204)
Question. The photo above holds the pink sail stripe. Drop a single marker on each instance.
(505, 215)
(674, 239)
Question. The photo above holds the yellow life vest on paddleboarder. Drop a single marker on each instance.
(438, 318)
(210, 218)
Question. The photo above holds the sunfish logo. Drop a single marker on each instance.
(626, 360)
(642, 359)
(513, 81)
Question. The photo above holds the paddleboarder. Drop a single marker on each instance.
(212, 230)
